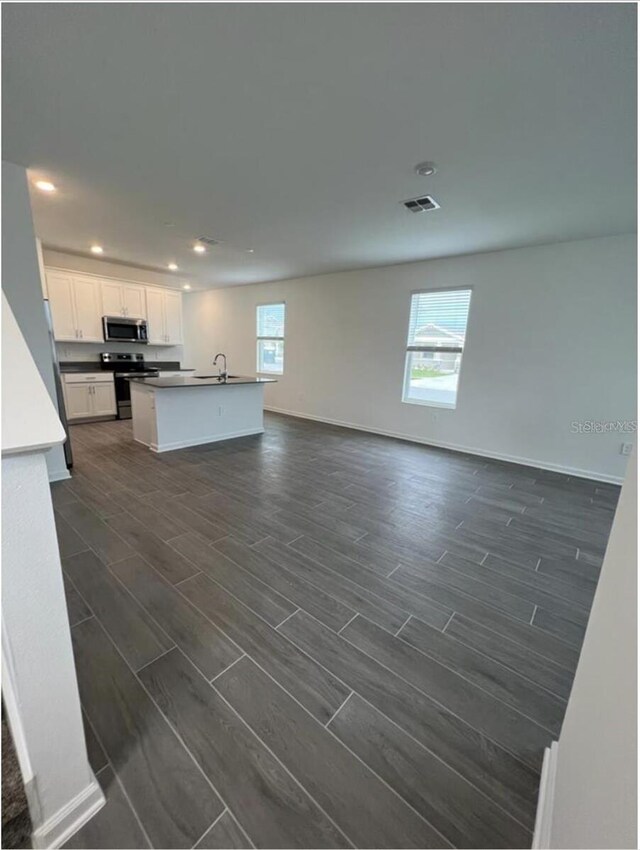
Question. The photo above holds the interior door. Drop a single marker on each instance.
(88, 309)
(112, 300)
(173, 317)
(155, 317)
(104, 399)
(135, 306)
(60, 288)
(77, 400)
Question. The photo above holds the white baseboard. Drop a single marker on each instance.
(65, 823)
(59, 476)
(469, 450)
(201, 441)
(544, 814)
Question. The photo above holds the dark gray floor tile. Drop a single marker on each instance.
(551, 622)
(359, 803)
(461, 813)
(69, 541)
(225, 834)
(320, 692)
(137, 636)
(97, 756)
(115, 825)
(260, 597)
(107, 545)
(429, 611)
(207, 647)
(355, 596)
(76, 607)
(541, 641)
(516, 656)
(159, 554)
(501, 682)
(174, 802)
(312, 599)
(488, 766)
(273, 809)
(492, 717)
(180, 512)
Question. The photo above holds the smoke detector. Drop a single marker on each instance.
(422, 204)
(425, 169)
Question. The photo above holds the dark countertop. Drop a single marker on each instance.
(96, 366)
(192, 381)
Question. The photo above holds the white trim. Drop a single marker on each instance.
(523, 461)
(200, 441)
(544, 814)
(70, 818)
(59, 476)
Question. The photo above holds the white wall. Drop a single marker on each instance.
(551, 340)
(595, 800)
(21, 283)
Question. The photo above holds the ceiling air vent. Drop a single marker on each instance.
(423, 204)
(207, 240)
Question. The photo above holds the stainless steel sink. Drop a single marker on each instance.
(209, 377)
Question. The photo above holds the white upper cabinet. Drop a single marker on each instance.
(78, 303)
(87, 303)
(123, 299)
(75, 308)
(155, 317)
(60, 288)
(164, 316)
(173, 317)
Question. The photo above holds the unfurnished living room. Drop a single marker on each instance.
(319, 388)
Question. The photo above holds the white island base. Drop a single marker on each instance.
(169, 418)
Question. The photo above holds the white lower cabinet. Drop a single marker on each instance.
(87, 395)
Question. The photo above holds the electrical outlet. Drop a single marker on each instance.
(625, 448)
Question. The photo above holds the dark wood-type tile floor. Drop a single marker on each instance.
(320, 637)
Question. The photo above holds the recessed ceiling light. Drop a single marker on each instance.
(172, 267)
(199, 248)
(97, 249)
(186, 286)
(45, 186)
(250, 250)
(425, 169)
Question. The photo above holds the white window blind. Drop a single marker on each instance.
(270, 321)
(435, 343)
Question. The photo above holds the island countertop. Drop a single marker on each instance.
(194, 381)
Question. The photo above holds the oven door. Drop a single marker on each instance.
(119, 329)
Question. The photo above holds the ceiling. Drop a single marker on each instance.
(293, 129)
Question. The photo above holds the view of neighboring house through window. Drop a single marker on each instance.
(435, 343)
(270, 332)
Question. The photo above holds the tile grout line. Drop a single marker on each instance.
(346, 624)
(211, 825)
(153, 660)
(404, 624)
(446, 625)
(228, 667)
(287, 617)
(535, 609)
(339, 708)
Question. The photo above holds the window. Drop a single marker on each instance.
(270, 332)
(437, 328)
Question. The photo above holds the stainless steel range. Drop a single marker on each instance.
(122, 366)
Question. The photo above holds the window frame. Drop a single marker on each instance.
(260, 339)
(406, 382)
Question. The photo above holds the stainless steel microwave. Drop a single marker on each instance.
(119, 329)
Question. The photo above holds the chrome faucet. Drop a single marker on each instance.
(222, 375)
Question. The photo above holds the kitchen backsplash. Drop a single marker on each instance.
(89, 351)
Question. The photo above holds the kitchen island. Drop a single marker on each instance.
(174, 413)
